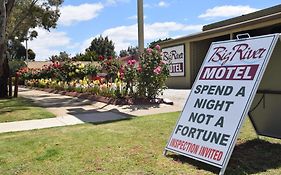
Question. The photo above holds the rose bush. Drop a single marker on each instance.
(153, 73)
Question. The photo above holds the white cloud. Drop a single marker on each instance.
(147, 6)
(135, 17)
(163, 4)
(113, 2)
(51, 43)
(159, 4)
(227, 11)
(84, 12)
(48, 43)
(124, 36)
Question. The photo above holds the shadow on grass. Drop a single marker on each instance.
(61, 102)
(197, 164)
(253, 156)
(140, 107)
(98, 117)
(12, 109)
(14, 104)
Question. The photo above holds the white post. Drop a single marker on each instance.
(26, 51)
(140, 27)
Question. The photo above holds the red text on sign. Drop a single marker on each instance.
(242, 51)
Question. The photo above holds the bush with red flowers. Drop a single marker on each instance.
(111, 66)
(153, 73)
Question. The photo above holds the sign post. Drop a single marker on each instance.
(220, 98)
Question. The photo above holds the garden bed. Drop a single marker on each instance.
(107, 100)
(133, 83)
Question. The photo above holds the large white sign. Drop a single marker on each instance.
(220, 99)
(176, 56)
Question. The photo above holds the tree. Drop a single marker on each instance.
(154, 43)
(123, 53)
(87, 56)
(5, 11)
(131, 51)
(63, 56)
(16, 20)
(17, 51)
(102, 46)
(31, 54)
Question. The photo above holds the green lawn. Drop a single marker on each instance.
(17, 109)
(132, 146)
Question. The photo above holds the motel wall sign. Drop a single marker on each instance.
(176, 56)
(220, 99)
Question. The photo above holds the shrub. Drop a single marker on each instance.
(111, 66)
(152, 74)
(15, 66)
(130, 76)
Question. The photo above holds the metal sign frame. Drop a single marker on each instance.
(249, 98)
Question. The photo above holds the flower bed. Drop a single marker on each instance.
(107, 100)
(138, 81)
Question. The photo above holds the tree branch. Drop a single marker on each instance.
(19, 23)
(3, 22)
(9, 7)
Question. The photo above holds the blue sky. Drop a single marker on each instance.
(83, 20)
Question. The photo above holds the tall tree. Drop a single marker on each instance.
(16, 51)
(17, 17)
(5, 11)
(87, 56)
(131, 51)
(102, 46)
(154, 43)
(123, 53)
(31, 54)
(62, 56)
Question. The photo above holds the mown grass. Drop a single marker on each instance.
(132, 146)
(17, 109)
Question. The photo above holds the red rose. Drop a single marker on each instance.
(101, 58)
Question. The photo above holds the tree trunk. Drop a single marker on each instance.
(4, 66)
(3, 20)
(4, 79)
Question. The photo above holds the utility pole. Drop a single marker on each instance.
(26, 50)
(140, 27)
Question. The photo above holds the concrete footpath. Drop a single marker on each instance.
(72, 110)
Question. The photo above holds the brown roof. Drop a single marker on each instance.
(37, 64)
(242, 18)
(126, 58)
(258, 17)
(40, 64)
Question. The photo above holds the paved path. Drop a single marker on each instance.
(72, 111)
